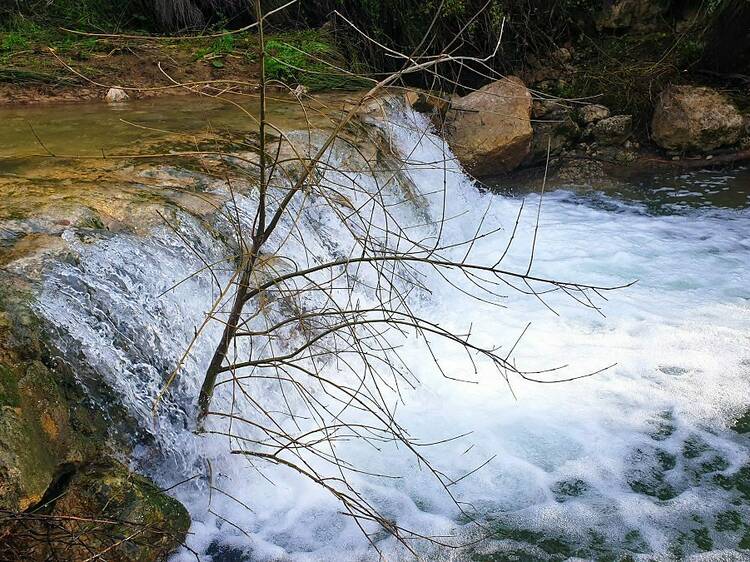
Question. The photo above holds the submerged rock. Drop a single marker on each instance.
(695, 118)
(490, 130)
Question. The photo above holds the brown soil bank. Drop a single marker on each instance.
(84, 68)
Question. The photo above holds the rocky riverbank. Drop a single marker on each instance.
(502, 135)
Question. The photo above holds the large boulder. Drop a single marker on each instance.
(490, 130)
(695, 118)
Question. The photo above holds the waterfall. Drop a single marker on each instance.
(639, 457)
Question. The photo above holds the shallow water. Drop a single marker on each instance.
(90, 129)
(638, 460)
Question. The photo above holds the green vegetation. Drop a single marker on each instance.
(627, 72)
(623, 70)
(87, 15)
(24, 44)
(310, 58)
(215, 53)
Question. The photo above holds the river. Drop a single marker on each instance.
(641, 459)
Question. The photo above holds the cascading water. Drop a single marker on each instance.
(638, 459)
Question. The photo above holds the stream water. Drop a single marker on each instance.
(640, 460)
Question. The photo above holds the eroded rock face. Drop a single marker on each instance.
(490, 130)
(695, 118)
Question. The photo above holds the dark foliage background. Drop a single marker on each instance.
(718, 39)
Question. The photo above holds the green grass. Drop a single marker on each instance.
(216, 51)
(309, 58)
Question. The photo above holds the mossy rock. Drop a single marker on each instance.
(51, 427)
(35, 434)
(96, 510)
(155, 522)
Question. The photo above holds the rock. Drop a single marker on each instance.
(490, 130)
(435, 104)
(556, 131)
(589, 114)
(612, 130)
(624, 14)
(35, 422)
(300, 91)
(50, 434)
(116, 95)
(695, 118)
(581, 171)
(102, 508)
(562, 55)
(545, 107)
(34, 434)
(112, 492)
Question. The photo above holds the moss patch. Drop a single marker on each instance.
(101, 508)
(9, 395)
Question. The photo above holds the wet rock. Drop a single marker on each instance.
(580, 171)
(50, 432)
(116, 95)
(555, 131)
(35, 428)
(612, 130)
(156, 523)
(589, 114)
(98, 509)
(34, 435)
(434, 104)
(624, 14)
(490, 130)
(695, 118)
